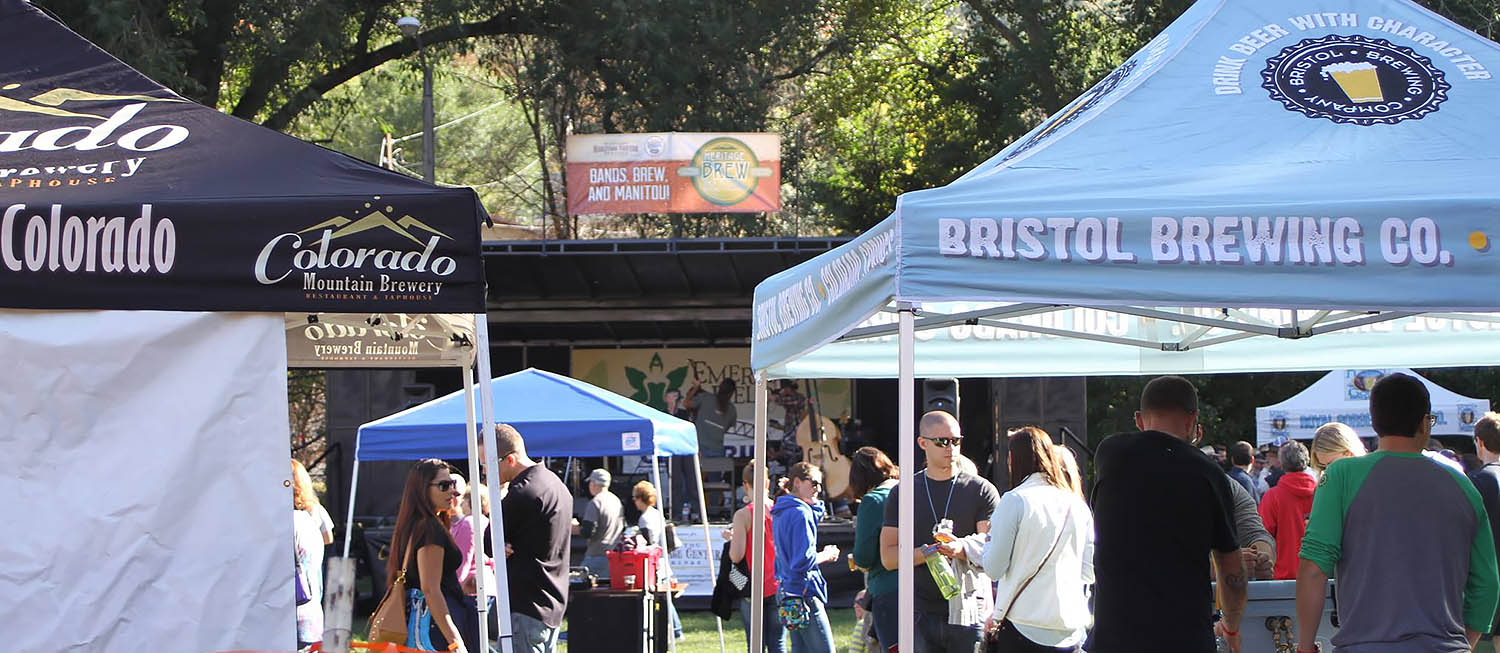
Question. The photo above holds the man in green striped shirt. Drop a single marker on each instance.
(1408, 541)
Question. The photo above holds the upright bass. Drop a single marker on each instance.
(819, 438)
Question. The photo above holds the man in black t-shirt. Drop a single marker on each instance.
(1487, 480)
(1162, 509)
(942, 493)
(538, 514)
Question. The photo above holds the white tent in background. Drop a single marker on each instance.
(1344, 396)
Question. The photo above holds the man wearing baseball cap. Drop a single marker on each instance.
(602, 522)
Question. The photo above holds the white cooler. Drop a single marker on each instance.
(1270, 623)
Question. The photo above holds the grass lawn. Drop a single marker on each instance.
(703, 637)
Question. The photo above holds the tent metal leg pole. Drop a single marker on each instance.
(353, 488)
(656, 480)
(492, 463)
(708, 542)
(906, 507)
(475, 508)
(757, 521)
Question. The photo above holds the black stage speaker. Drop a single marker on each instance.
(940, 394)
(1051, 403)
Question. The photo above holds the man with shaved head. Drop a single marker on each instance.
(956, 505)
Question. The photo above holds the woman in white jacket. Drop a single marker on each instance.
(1040, 552)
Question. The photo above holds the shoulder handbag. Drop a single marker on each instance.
(992, 642)
(388, 624)
(304, 588)
(671, 538)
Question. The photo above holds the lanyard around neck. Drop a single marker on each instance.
(927, 482)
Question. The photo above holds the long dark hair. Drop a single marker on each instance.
(725, 393)
(417, 518)
(1031, 452)
(869, 468)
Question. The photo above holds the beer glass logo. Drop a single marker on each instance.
(725, 171)
(1355, 80)
(1357, 383)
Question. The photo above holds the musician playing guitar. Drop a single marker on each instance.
(713, 414)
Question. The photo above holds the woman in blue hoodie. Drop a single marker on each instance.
(803, 592)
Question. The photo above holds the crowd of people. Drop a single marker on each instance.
(1158, 558)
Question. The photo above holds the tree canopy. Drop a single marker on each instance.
(872, 98)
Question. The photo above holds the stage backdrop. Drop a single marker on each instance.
(648, 375)
(148, 482)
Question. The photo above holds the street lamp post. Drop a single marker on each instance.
(412, 27)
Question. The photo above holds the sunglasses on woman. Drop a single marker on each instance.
(816, 484)
(445, 486)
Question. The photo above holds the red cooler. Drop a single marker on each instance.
(640, 566)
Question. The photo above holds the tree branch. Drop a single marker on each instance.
(992, 20)
(272, 70)
(206, 64)
(807, 66)
(509, 23)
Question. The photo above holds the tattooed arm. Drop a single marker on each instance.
(1234, 592)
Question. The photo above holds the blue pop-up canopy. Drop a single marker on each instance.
(556, 415)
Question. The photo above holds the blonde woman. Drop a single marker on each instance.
(1068, 464)
(308, 537)
(1333, 441)
(652, 526)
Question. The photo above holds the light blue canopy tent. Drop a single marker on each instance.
(1266, 185)
(556, 415)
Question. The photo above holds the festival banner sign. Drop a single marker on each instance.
(674, 173)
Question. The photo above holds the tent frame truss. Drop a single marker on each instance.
(1231, 325)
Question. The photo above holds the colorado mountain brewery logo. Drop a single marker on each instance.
(1355, 80)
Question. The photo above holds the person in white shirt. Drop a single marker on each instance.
(1040, 552)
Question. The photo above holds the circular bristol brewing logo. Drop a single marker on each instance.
(1355, 80)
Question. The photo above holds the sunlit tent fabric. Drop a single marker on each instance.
(324, 340)
(1344, 396)
(1332, 161)
(557, 416)
(1223, 165)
